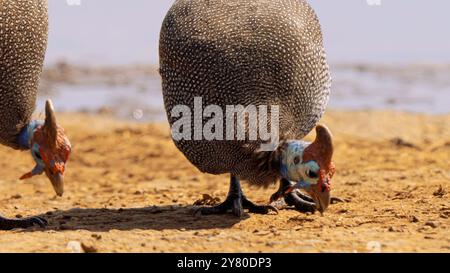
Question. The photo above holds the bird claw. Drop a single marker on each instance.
(260, 209)
(36, 220)
(265, 209)
(335, 200)
(8, 224)
(302, 202)
(219, 209)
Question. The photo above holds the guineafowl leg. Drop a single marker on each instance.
(236, 202)
(7, 224)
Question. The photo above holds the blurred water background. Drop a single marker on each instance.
(102, 55)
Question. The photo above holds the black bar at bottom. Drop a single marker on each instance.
(220, 262)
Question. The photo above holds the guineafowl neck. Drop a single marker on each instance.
(268, 162)
(26, 134)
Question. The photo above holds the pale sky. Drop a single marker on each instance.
(127, 31)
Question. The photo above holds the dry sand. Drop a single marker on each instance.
(129, 189)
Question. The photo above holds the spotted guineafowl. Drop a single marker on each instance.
(251, 52)
(23, 33)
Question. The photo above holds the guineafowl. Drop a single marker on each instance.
(23, 31)
(250, 52)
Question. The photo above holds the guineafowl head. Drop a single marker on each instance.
(310, 166)
(50, 149)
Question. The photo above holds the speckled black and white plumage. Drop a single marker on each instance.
(247, 52)
(23, 42)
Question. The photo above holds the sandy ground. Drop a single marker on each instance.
(128, 189)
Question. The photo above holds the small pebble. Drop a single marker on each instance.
(432, 224)
(88, 248)
(78, 247)
(74, 247)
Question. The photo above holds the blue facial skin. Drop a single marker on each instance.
(306, 185)
(301, 184)
(298, 172)
(24, 140)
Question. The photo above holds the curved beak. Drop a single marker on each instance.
(57, 181)
(321, 197)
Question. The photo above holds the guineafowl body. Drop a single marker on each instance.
(244, 52)
(23, 42)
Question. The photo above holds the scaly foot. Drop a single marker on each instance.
(236, 202)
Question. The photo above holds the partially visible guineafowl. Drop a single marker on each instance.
(23, 42)
(252, 52)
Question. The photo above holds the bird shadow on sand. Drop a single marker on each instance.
(147, 218)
